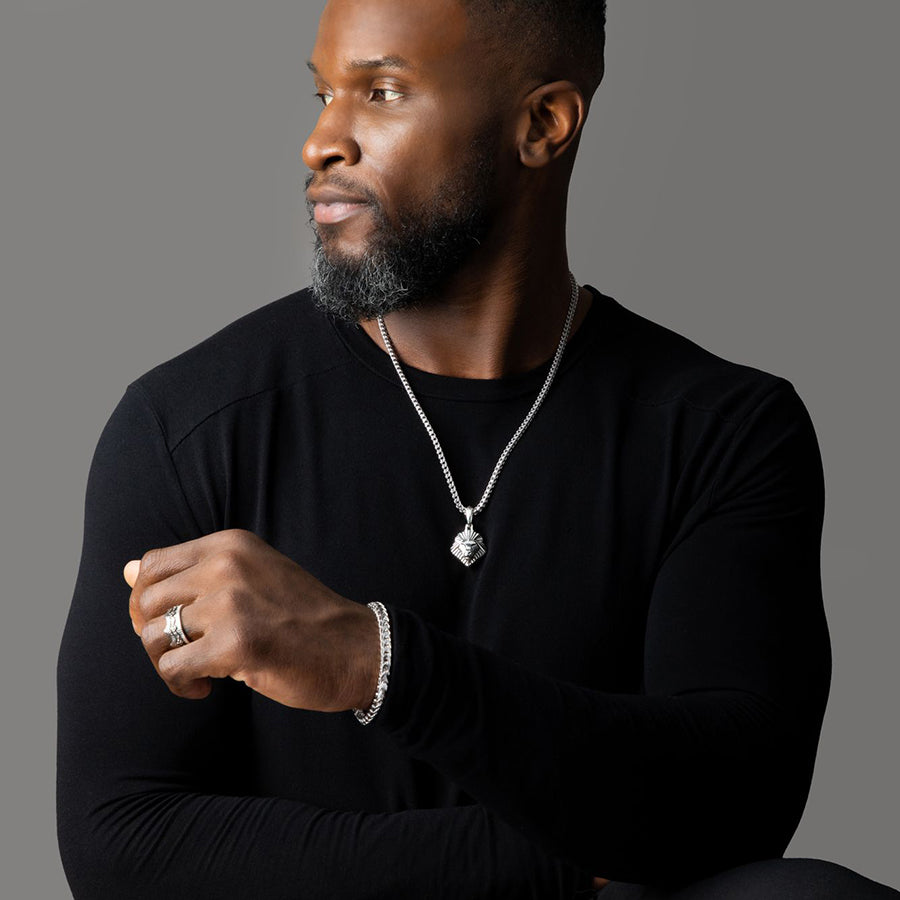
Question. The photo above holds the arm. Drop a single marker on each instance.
(150, 802)
(710, 766)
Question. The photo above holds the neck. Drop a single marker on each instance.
(502, 314)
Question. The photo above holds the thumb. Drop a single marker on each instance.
(132, 567)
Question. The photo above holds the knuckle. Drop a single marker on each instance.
(227, 565)
(170, 667)
(151, 561)
(236, 539)
(240, 536)
(148, 602)
(149, 634)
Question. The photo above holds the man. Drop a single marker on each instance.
(561, 563)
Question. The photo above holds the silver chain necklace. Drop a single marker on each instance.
(469, 546)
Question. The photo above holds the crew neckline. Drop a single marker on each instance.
(429, 384)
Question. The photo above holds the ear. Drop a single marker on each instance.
(552, 117)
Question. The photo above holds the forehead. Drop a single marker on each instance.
(433, 35)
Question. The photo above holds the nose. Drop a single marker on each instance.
(330, 141)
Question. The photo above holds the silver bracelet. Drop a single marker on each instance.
(384, 639)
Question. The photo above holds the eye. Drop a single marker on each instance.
(385, 91)
(387, 95)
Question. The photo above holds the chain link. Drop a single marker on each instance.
(573, 302)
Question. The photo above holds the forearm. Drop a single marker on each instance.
(637, 788)
(156, 798)
(183, 845)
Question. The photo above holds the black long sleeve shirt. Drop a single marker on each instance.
(630, 684)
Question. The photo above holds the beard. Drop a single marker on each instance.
(405, 264)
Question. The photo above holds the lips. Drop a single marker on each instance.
(329, 213)
(332, 206)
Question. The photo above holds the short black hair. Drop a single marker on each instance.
(547, 39)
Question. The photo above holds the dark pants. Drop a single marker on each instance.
(768, 879)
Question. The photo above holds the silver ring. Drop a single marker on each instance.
(175, 627)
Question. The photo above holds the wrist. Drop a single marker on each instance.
(367, 659)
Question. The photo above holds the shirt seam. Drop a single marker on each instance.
(688, 402)
(162, 431)
(233, 401)
(779, 385)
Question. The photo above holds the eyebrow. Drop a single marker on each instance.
(381, 62)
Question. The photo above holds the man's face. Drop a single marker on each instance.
(417, 144)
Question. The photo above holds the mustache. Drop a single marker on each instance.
(338, 182)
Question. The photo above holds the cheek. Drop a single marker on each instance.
(410, 154)
(409, 172)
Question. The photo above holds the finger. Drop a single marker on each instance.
(163, 562)
(188, 670)
(155, 566)
(179, 684)
(130, 572)
(137, 621)
(154, 637)
(150, 601)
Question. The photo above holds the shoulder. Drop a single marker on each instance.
(733, 432)
(268, 348)
(657, 366)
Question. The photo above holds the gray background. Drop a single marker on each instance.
(737, 182)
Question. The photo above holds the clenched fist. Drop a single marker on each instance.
(252, 614)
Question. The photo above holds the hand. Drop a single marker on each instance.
(254, 615)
